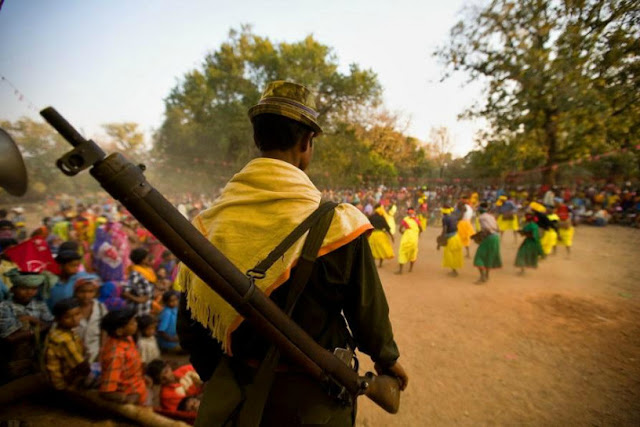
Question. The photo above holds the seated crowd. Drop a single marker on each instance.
(87, 300)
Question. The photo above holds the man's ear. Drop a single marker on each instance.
(305, 142)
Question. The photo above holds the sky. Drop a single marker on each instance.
(100, 62)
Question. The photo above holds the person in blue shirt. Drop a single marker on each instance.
(167, 320)
(69, 261)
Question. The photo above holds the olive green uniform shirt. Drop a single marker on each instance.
(344, 289)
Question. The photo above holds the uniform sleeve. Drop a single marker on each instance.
(367, 310)
(112, 363)
(204, 351)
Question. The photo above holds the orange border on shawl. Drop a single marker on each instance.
(287, 273)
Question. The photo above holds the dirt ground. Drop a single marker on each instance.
(559, 346)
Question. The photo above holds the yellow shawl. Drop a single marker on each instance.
(257, 209)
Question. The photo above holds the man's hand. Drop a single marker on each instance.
(396, 370)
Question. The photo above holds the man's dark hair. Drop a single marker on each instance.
(62, 306)
(154, 370)
(275, 132)
(3, 213)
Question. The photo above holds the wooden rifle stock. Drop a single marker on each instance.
(126, 183)
(384, 390)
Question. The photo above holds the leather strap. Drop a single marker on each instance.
(261, 268)
(319, 221)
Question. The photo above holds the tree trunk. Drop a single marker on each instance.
(550, 130)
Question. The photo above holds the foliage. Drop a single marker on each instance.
(562, 77)
(41, 146)
(206, 113)
(125, 137)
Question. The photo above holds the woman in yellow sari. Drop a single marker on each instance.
(550, 237)
(391, 217)
(410, 228)
(380, 238)
(452, 257)
(507, 216)
(465, 229)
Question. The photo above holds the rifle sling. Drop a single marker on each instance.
(250, 414)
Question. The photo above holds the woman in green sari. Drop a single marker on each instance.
(530, 249)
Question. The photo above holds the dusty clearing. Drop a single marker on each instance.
(559, 346)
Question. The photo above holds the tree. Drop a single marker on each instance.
(41, 146)
(125, 136)
(206, 113)
(440, 145)
(561, 76)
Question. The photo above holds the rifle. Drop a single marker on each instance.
(126, 183)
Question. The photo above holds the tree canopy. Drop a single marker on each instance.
(206, 113)
(562, 78)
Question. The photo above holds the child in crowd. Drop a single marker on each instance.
(122, 374)
(175, 385)
(64, 360)
(92, 310)
(139, 288)
(23, 319)
(110, 296)
(157, 304)
(169, 264)
(147, 343)
(70, 261)
(167, 321)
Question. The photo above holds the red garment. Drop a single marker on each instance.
(563, 212)
(33, 255)
(122, 368)
(188, 383)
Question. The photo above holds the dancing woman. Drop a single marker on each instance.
(530, 249)
(488, 253)
(380, 238)
(452, 254)
(410, 228)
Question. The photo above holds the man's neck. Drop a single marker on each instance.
(289, 156)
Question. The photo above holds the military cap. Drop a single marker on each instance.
(288, 99)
